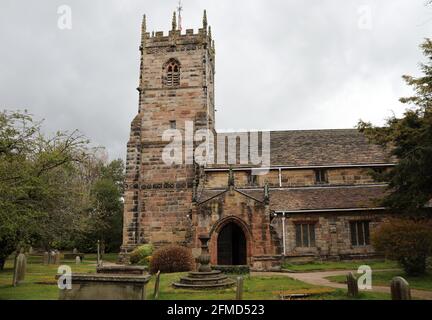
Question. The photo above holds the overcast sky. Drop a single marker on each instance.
(298, 64)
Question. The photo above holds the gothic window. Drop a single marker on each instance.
(305, 234)
(359, 233)
(172, 73)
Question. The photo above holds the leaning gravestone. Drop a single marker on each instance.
(20, 267)
(77, 260)
(400, 289)
(352, 285)
(156, 288)
(46, 258)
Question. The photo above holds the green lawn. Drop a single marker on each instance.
(340, 265)
(340, 294)
(40, 284)
(110, 257)
(256, 288)
(383, 278)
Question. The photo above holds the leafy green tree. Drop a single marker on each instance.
(409, 139)
(34, 198)
(108, 205)
(55, 192)
(105, 214)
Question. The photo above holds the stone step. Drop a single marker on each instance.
(225, 284)
(203, 280)
(196, 274)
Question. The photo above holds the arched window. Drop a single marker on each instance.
(172, 73)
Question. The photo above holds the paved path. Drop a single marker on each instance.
(318, 278)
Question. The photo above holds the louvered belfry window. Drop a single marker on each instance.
(172, 76)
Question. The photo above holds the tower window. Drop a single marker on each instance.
(172, 73)
(173, 124)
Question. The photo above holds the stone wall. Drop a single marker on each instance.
(160, 199)
(289, 178)
(158, 196)
(332, 233)
(251, 215)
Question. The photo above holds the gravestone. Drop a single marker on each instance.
(46, 258)
(400, 289)
(77, 260)
(30, 250)
(156, 288)
(352, 285)
(52, 257)
(239, 291)
(14, 277)
(75, 250)
(20, 266)
(98, 261)
(57, 257)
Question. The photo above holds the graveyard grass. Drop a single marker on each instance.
(383, 278)
(255, 288)
(39, 284)
(339, 265)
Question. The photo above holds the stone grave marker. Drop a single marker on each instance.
(99, 259)
(400, 289)
(239, 290)
(75, 250)
(156, 287)
(52, 257)
(352, 285)
(46, 258)
(57, 257)
(77, 260)
(20, 267)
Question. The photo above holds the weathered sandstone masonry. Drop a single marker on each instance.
(318, 199)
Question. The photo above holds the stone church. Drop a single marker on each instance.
(316, 201)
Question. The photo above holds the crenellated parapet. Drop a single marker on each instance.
(177, 39)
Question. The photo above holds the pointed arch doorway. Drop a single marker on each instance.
(231, 245)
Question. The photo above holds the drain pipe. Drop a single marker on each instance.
(275, 214)
(283, 233)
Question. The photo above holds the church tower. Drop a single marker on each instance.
(176, 86)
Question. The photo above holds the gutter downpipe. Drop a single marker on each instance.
(283, 233)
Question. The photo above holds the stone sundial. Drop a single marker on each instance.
(205, 277)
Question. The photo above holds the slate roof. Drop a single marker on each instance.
(327, 198)
(314, 198)
(321, 148)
